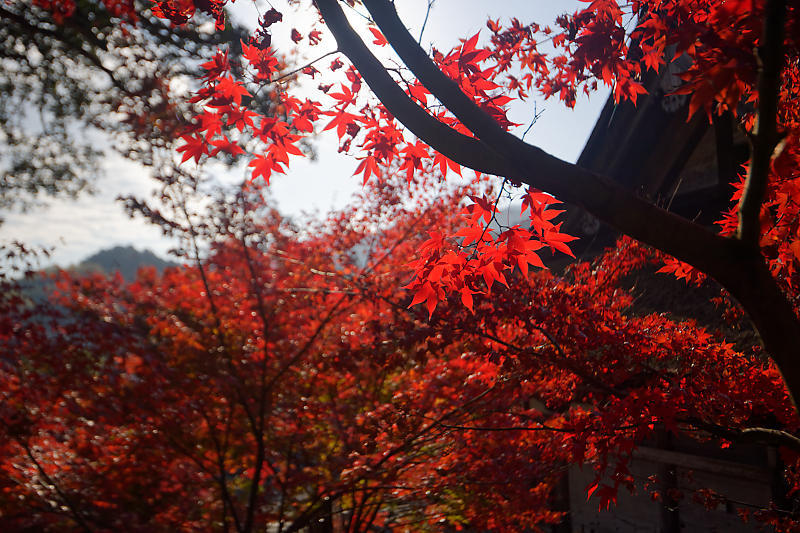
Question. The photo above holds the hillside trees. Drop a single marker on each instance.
(452, 104)
(262, 385)
(266, 383)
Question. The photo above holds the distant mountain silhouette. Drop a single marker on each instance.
(125, 259)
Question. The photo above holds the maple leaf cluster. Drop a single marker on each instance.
(180, 11)
(483, 255)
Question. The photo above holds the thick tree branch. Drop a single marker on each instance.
(736, 266)
(498, 152)
(765, 138)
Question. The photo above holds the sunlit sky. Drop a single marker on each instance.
(78, 228)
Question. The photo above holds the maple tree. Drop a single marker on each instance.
(296, 402)
(492, 332)
(453, 105)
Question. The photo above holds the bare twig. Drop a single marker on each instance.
(425, 22)
(300, 69)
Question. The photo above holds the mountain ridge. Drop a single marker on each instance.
(125, 259)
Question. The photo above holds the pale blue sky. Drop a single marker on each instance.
(78, 228)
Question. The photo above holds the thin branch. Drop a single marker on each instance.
(265, 394)
(536, 115)
(541, 427)
(772, 436)
(761, 435)
(425, 22)
(75, 514)
(300, 69)
(221, 450)
(494, 216)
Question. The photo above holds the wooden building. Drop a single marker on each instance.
(683, 165)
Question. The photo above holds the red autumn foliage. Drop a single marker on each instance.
(267, 384)
(276, 338)
(593, 46)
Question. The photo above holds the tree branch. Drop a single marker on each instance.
(765, 138)
(300, 69)
(501, 153)
(759, 435)
(737, 267)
